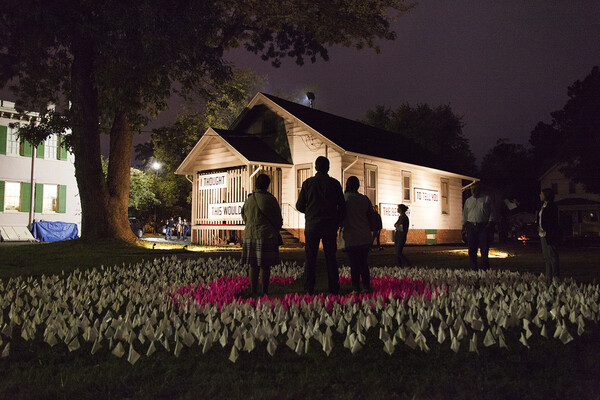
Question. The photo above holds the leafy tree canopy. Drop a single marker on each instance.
(117, 62)
(507, 166)
(169, 145)
(438, 130)
(573, 136)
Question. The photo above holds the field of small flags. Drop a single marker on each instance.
(200, 306)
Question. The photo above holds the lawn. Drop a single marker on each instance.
(547, 369)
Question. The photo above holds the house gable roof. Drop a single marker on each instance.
(247, 148)
(356, 137)
(252, 147)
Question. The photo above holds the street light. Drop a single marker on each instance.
(156, 167)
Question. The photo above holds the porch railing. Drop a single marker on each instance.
(292, 218)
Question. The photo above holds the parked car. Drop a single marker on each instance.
(137, 226)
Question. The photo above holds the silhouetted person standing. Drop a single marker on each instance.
(322, 201)
(401, 226)
(355, 237)
(477, 221)
(378, 227)
(260, 250)
(549, 231)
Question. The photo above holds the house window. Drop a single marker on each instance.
(51, 148)
(572, 188)
(12, 142)
(371, 182)
(555, 188)
(12, 196)
(50, 202)
(406, 186)
(444, 196)
(303, 172)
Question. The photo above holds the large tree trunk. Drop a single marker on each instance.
(103, 206)
(121, 142)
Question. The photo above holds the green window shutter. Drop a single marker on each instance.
(39, 198)
(39, 153)
(62, 198)
(25, 197)
(26, 149)
(62, 149)
(3, 135)
(1, 196)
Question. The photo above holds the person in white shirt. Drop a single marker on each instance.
(477, 222)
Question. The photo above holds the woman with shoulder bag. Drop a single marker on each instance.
(356, 237)
(262, 215)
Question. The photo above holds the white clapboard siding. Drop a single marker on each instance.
(389, 190)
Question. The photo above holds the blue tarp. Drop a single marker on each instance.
(50, 231)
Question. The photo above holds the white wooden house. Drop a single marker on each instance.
(579, 210)
(35, 183)
(283, 139)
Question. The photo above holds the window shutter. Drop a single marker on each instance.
(39, 198)
(26, 149)
(1, 196)
(62, 198)
(3, 131)
(62, 149)
(25, 197)
(40, 151)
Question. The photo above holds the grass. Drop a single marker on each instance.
(548, 370)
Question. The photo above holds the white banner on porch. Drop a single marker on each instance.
(213, 181)
(225, 211)
(427, 196)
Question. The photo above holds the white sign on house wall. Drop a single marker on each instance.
(389, 214)
(427, 196)
(225, 211)
(212, 181)
(388, 210)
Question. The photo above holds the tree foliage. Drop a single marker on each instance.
(507, 167)
(573, 136)
(141, 195)
(438, 130)
(116, 62)
(169, 145)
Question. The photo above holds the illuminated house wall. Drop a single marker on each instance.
(283, 139)
(579, 210)
(52, 196)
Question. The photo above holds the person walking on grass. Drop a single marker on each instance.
(549, 231)
(355, 236)
(260, 249)
(322, 202)
(401, 233)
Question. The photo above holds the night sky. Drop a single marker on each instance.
(502, 65)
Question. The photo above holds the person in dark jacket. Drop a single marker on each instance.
(169, 231)
(260, 250)
(355, 237)
(549, 231)
(378, 227)
(322, 202)
(401, 226)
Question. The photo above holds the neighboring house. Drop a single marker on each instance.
(35, 184)
(283, 139)
(578, 209)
